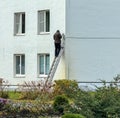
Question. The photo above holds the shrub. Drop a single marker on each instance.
(33, 89)
(29, 95)
(60, 103)
(104, 102)
(83, 104)
(72, 116)
(3, 89)
(2, 103)
(107, 100)
(4, 94)
(67, 87)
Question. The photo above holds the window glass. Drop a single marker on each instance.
(41, 64)
(17, 20)
(47, 21)
(47, 63)
(23, 23)
(19, 23)
(43, 21)
(44, 64)
(19, 64)
(23, 64)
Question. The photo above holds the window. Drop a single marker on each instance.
(43, 64)
(19, 65)
(43, 21)
(19, 26)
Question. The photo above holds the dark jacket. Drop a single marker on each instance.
(57, 37)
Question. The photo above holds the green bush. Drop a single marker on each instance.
(66, 87)
(29, 95)
(83, 104)
(60, 103)
(104, 102)
(107, 100)
(72, 116)
(4, 94)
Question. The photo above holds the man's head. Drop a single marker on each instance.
(58, 31)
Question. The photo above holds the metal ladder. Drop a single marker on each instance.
(55, 64)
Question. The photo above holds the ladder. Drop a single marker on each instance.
(55, 64)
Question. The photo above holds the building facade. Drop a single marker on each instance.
(26, 39)
(92, 39)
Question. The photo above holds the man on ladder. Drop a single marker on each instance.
(57, 41)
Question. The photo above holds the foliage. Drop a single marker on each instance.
(72, 116)
(4, 94)
(60, 103)
(83, 103)
(30, 90)
(29, 95)
(66, 87)
(44, 104)
(2, 103)
(3, 89)
(14, 95)
(36, 101)
(104, 103)
(28, 108)
(107, 100)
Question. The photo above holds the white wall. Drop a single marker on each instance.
(31, 44)
(92, 39)
(93, 18)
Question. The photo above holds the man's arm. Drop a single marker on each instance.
(60, 36)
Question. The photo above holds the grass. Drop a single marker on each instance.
(14, 95)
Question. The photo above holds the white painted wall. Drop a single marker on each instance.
(92, 39)
(93, 18)
(31, 44)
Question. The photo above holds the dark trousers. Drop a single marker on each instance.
(57, 49)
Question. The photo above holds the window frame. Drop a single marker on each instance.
(19, 23)
(45, 65)
(20, 68)
(44, 22)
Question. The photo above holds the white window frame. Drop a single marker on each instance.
(44, 22)
(20, 66)
(18, 23)
(44, 73)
